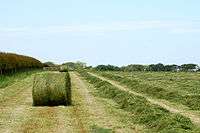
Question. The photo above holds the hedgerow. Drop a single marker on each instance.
(10, 63)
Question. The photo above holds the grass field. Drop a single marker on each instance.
(9, 79)
(182, 88)
(105, 102)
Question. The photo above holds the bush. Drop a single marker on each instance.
(107, 68)
(11, 63)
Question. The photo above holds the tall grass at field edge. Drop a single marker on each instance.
(9, 79)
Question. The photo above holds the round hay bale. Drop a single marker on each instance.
(51, 89)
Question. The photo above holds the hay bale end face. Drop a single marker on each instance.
(51, 89)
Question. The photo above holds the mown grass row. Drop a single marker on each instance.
(154, 117)
(183, 82)
(9, 79)
(191, 101)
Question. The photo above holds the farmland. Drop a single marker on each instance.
(181, 88)
(86, 100)
(106, 102)
(107, 66)
(88, 113)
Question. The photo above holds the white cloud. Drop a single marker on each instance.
(186, 30)
(110, 27)
(14, 29)
(170, 26)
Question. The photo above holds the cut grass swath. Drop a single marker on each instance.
(51, 89)
(153, 117)
(191, 101)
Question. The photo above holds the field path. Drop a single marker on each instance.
(18, 115)
(94, 111)
(195, 117)
(87, 114)
(13, 100)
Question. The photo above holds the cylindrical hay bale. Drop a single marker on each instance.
(51, 89)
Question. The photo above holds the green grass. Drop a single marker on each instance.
(96, 129)
(6, 80)
(153, 117)
(174, 87)
(183, 82)
(51, 89)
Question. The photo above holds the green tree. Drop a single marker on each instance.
(187, 67)
(133, 67)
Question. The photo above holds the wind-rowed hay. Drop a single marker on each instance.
(153, 117)
(51, 89)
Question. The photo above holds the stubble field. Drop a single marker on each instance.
(107, 102)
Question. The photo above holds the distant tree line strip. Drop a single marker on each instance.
(153, 67)
(11, 63)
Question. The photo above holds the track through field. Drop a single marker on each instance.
(87, 114)
(195, 117)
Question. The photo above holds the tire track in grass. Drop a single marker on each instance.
(18, 115)
(92, 112)
(54, 119)
(8, 93)
(195, 118)
(79, 112)
(47, 119)
(40, 119)
(78, 122)
(13, 105)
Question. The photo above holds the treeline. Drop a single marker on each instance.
(74, 65)
(11, 63)
(153, 67)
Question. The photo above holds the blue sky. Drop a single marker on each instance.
(102, 31)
